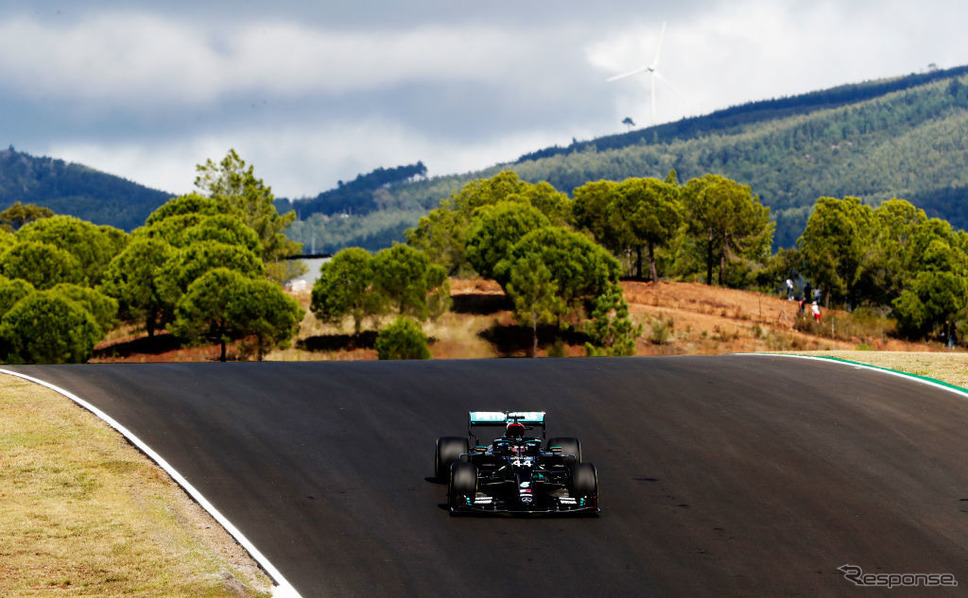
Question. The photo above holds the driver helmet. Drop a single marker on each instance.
(515, 430)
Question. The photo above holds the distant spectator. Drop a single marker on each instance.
(816, 311)
(789, 288)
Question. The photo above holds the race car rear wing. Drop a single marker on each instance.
(530, 419)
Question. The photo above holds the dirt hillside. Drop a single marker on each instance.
(677, 318)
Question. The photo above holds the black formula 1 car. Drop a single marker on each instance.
(519, 472)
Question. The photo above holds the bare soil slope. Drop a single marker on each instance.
(678, 318)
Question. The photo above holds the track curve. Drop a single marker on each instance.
(721, 476)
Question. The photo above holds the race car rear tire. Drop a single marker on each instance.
(463, 482)
(568, 445)
(584, 480)
(449, 448)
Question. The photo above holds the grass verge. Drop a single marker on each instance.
(84, 513)
(947, 367)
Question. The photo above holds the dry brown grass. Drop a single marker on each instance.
(83, 513)
(712, 320)
(678, 319)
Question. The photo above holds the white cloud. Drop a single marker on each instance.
(107, 58)
(118, 58)
(293, 59)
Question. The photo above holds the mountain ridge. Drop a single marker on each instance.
(726, 119)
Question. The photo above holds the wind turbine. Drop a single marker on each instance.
(653, 70)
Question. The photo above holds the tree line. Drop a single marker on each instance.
(516, 233)
(559, 259)
(206, 266)
(892, 257)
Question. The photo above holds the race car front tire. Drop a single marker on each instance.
(584, 480)
(449, 448)
(463, 482)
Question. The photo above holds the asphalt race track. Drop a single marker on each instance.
(721, 476)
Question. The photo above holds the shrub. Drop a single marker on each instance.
(661, 330)
(403, 339)
(47, 327)
(611, 329)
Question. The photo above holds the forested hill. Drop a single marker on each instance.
(365, 193)
(736, 118)
(909, 140)
(68, 188)
(905, 137)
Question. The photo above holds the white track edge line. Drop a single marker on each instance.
(283, 588)
(845, 362)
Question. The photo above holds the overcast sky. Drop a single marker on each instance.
(315, 94)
